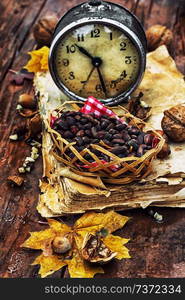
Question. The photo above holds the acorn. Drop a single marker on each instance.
(27, 101)
(158, 35)
(61, 244)
(44, 29)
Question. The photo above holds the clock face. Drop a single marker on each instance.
(98, 60)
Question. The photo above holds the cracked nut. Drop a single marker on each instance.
(95, 251)
(158, 35)
(27, 101)
(139, 108)
(61, 244)
(173, 123)
(44, 29)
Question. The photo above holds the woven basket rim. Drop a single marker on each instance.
(139, 167)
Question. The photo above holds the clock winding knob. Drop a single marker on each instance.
(95, 2)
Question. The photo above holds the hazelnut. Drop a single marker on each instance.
(44, 29)
(158, 35)
(27, 101)
(34, 125)
(61, 244)
(165, 151)
(173, 123)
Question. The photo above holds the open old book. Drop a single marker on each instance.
(63, 193)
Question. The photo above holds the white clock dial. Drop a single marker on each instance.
(98, 60)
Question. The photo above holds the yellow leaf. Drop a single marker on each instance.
(89, 223)
(48, 264)
(78, 268)
(58, 227)
(38, 61)
(115, 244)
(38, 240)
(92, 222)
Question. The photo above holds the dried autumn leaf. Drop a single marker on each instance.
(93, 223)
(38, 240)
(38, 61)
(115, 244)
(58, 227)
(48, 264)
(78, 268)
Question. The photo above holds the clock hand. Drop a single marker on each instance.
(102, 81)
(84, 51)
(96, 61)
(88, 77)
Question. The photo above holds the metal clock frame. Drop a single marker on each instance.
(58, 36)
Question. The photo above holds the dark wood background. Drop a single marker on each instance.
(157, 250)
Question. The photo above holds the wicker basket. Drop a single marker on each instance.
(130, 168)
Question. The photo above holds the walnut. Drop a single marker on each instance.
(44, 29)
(95, 251)
(158, 35)
(173, 123)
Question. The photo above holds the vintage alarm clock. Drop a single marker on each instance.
(98, 49)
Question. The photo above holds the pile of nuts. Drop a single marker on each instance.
(117, 137)
(29, 161)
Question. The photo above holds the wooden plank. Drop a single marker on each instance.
(17, 19)
(157, 249)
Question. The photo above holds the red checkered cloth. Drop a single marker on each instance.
(114, 168)
(93, 105)
(52, 120)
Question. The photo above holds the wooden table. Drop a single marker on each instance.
(157, 250)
